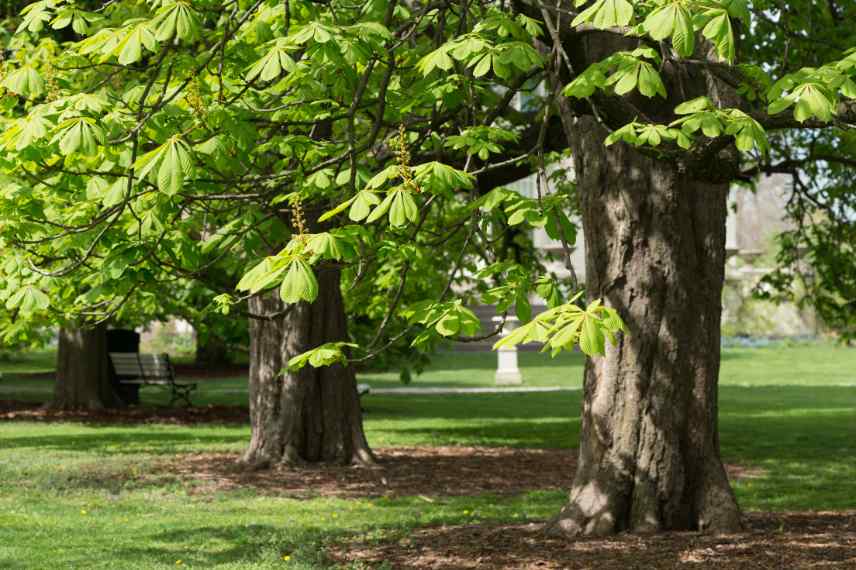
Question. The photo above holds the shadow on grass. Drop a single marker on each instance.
(107, 441)
(307, 544)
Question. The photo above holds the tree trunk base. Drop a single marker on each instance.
(82, 373)
(308, 416)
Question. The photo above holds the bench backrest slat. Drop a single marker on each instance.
(141, 365)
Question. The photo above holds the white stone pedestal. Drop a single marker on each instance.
(507, 372)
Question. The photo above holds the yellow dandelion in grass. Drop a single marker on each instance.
(179, 562)
(84, 512)
(286, 557)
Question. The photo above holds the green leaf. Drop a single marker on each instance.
(403, 209)
(327, 354)
(382, 209)
(590, 80)
(130, 48)
(28, 299)
(25, 81)
(361, 207)
(437, 59)
(330, 246)
(337, 210)
(683, 38)
(592, 340)
(694, 106)
(81, 134)
(606, 14)
(650, 83)
(116, 193)
(272, 64)
(299, 283)
(522, 307)
(175, 159)
(720, 32)
(483, 66)
(672, 20)
(439, 178)
(178, 19)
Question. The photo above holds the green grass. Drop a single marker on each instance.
(28, 362)
(68, 498)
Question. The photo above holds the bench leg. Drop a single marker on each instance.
(181, 393)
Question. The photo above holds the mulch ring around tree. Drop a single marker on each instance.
(13, 410)
(401, 472)
(780, 541)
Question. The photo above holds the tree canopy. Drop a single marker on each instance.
(149, 141)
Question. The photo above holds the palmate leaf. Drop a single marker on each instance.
(327, 354)
(25, 131)
(28, 299)
(272, 64)
(403, 209)
(361, 206)
(330, 246)
(178, 19)
(565, 326)
(130, 48)
(606, 14)
(36, 15)
(299, 283)
(812, 100)
(263, 275)
(175, 159)
(78, 19)
(25, 81)
(437, 59)
(437, 177)
(80, 134)
(672, 20)
(720, 31)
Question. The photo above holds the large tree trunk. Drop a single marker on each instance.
(312, 415)
(82, 370)
(655, 244)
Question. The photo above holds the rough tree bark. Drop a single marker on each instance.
(82, 370)
(655, 244)
(312, 415)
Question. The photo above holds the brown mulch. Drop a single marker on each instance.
(13, 410)
(777, 541)
(400, 472)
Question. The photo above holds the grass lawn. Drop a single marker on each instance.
(71, 495)
(28, 362)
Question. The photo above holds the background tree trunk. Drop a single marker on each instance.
(312, 415)
(212, 350)
(82, 370)
(655, 245)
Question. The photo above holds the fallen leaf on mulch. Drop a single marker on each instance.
(779, 541)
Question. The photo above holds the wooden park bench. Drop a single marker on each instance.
(134, 368)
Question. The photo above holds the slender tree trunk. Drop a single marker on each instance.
(308, 416)
(82, 370)
(655, 245)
